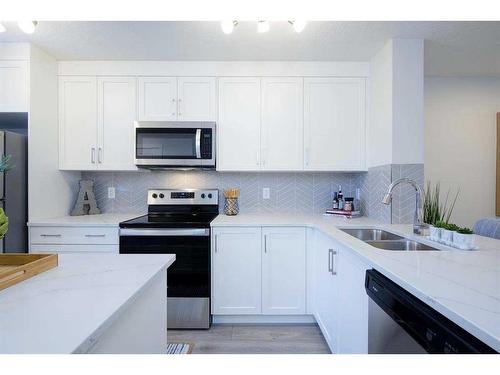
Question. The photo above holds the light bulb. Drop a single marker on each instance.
(2, 28)
(228, 26)
(27, 26)
(263, 26)
(298, 26)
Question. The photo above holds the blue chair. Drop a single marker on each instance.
(488, 228)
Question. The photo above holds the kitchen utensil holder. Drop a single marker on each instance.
(231, 207)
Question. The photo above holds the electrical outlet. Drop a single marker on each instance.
(266, 193)
(111, 192)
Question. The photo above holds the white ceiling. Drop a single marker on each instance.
(451, 48)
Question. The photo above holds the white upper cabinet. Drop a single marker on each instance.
(13, 86)
(282, 124)
(116, 98)
(236, 271)
(157, 98)
(196, 99)
(284, 271)
(177, 99)
(78, 123)
(239, 124)
(334, 124)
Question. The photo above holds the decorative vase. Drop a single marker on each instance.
(231, 206)
(447, 236)
(463, 241)
(434, 233)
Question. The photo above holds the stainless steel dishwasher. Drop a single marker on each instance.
(400, 323)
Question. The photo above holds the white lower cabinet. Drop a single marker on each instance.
(284, 271)
(341, 303)
(84, 239)
(236, 270)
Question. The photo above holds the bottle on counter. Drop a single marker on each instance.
(335, 205)
(349, 204)
(340, 196)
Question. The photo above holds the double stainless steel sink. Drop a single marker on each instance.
(387, 241)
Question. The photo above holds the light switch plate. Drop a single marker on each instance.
(266, 193)
(111, 192)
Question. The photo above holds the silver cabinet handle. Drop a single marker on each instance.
(95, 235)
(265, 243)
(92, 155)
(50, 235)
(334, 262)
(99, 155)
(216, 242)
(180, 112)
(330, 260)
(173, 103)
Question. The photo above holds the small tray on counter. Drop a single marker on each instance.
(15, 268)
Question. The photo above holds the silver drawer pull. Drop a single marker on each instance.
(95, 235)
(50, 235)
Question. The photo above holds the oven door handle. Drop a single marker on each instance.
(198, 143)
(165, 232)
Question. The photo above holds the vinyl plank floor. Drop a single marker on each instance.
(254, 339)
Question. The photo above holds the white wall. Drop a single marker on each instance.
(408, 101)
(51, 192)
(460, 141)
(379, 140)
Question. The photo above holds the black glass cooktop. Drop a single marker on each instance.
(170, 220)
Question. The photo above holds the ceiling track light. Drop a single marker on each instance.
(298, 26)
(28, 26)
(263, 26)
(228, 26)
(2, 28)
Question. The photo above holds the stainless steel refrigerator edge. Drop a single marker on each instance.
(14, 192)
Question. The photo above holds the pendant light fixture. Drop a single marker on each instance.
(228, 26)
(298, 26)
(27, 26)
(263, 27)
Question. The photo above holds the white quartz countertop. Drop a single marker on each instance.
(65, 309)
(85, 220)
(462, 285)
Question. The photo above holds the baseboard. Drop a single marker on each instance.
(263, 319)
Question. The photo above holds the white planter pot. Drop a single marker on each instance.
(463, 241)
(434, 233)
(447, 236)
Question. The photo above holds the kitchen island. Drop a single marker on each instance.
(104, 303)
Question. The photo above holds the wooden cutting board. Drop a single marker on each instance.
(15, 268)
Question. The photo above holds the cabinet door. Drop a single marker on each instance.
(157, 98)
(78, 123)
(236, 270)
(196, 99)
(326, 295)
(116, 97)
(282, 124)
(239, 124)
(334, 124)
(13, 86)
(284, 271)
(352, 305)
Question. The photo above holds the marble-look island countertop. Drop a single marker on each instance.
(109, 219)
(65, 309)
(462, 285)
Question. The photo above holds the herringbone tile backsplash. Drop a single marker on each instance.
(290, 192)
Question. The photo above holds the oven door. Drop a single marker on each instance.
(174, 144)
(188, 278)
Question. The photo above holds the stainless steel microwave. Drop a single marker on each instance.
(175, 144)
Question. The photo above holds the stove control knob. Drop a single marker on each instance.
(162, 195)
(210, 196)
(154, 196)
(203, 195)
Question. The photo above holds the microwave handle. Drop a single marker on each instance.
(198, 143)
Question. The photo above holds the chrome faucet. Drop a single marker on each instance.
(418, 223)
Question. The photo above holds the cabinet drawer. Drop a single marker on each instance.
(74, 235)
(74, 249)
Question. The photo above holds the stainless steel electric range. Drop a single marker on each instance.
(178, 222)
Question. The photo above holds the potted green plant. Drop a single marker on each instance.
(463, 238)
(447, 233)
(4, 220)
(436, 212)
